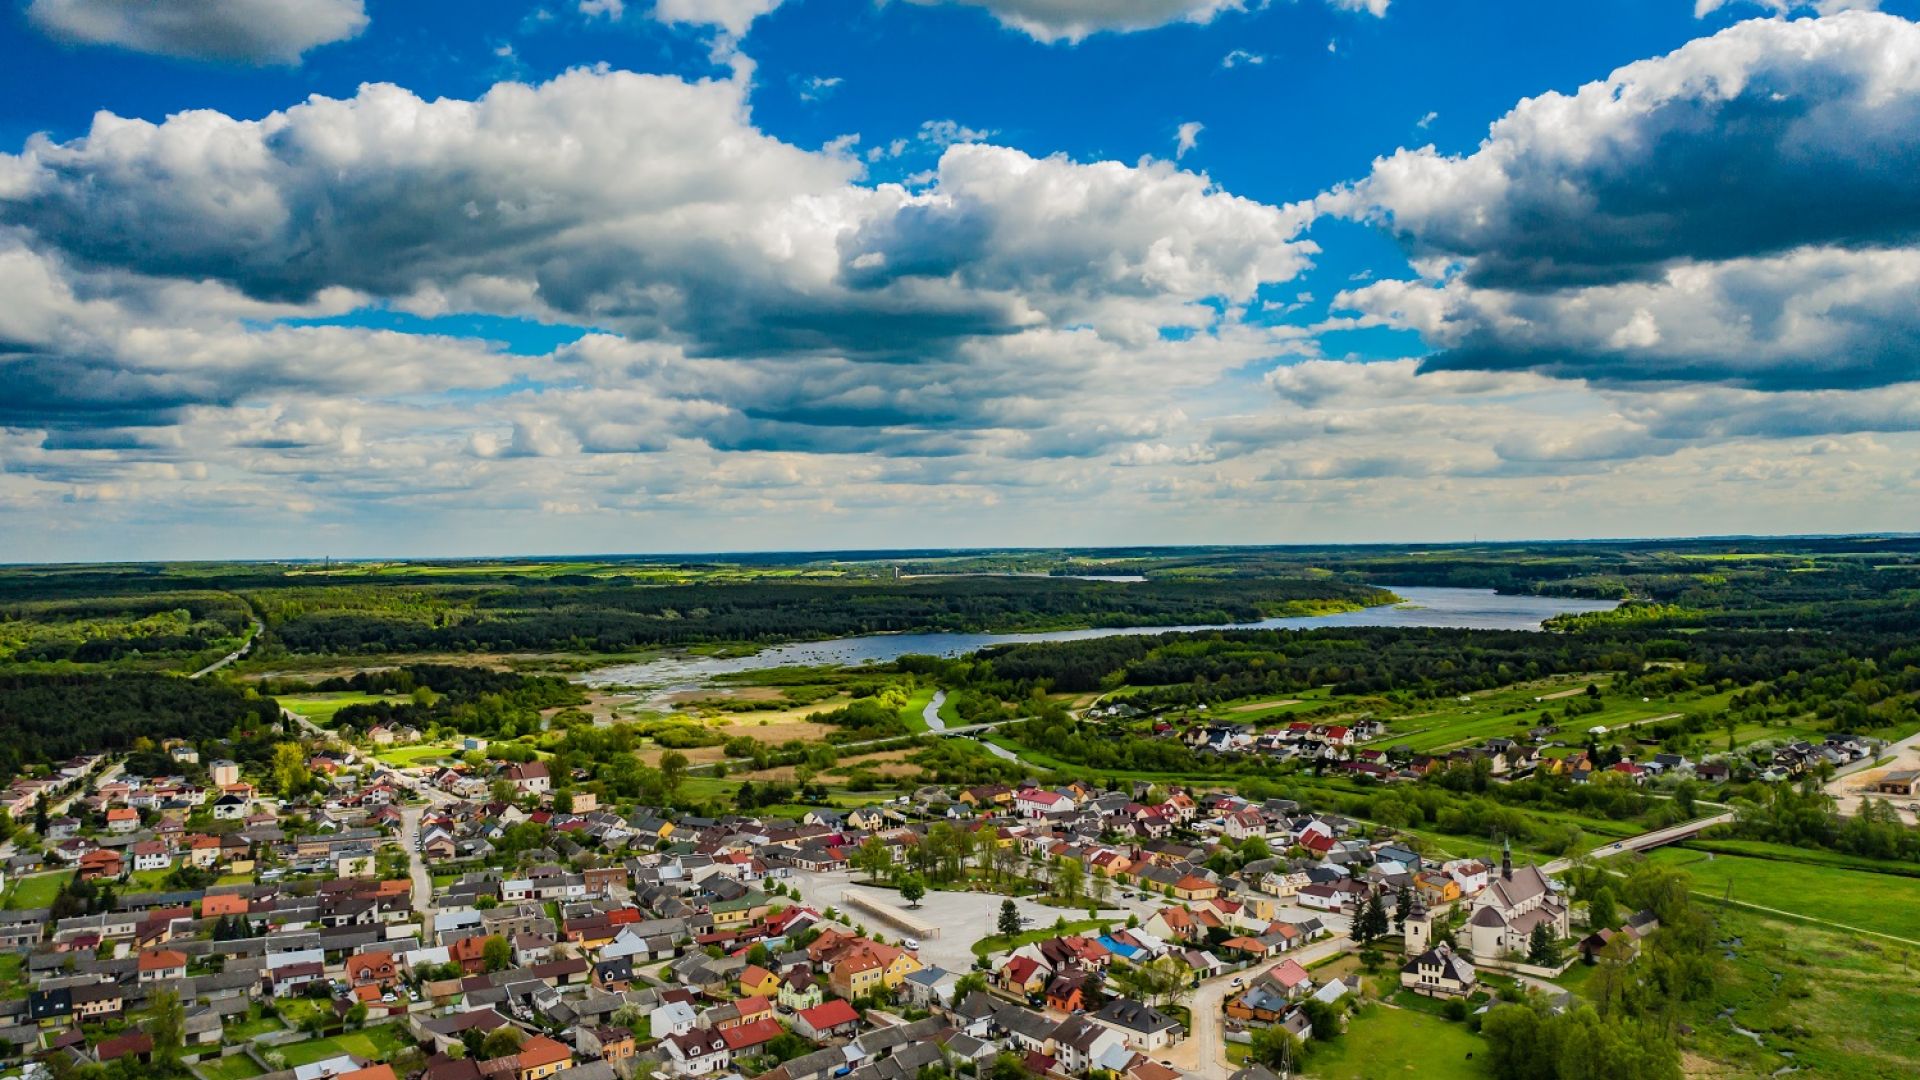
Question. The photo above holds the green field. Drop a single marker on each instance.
(1512, 710)
(319, 708)
(420, 754)
(1842, 1005)
(913, 713)
(988, 945)
(1383, 1042)
(376, 1043)
(37, 891)
(253, 1025)
(1807, 883)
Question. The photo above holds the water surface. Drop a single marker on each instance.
(1475, 609)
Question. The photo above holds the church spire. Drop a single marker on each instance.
(1506, 859)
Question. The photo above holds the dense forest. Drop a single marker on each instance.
(49, 718)
(157, 627)
(470, 700)
(620, 616)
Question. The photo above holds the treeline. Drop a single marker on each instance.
(1201, 668)
(1856, 677)
(1805, 816)
(106, 629)
(616, 616)
(48, 718)
(470, 700)
(1626, 1029)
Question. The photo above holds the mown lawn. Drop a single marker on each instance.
(256, 1025)
(376, 1043)
(1512, 710)
(236, 1067)
(408, 756)
(1381, 1043)
(37, 891)
(1814, 887)
(320, 708)
(988, 945)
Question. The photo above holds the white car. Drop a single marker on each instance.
(910, 944)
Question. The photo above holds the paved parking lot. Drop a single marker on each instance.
(965, 918)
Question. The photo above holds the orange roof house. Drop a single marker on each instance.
(542, 1057)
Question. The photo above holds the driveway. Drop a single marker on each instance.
(1854, 783)
(1204, 1053)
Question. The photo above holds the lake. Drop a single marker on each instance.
(1474, 609)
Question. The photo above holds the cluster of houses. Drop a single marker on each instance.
(650, 943)
(1300, 739)
(22, 797)
(1343, 747)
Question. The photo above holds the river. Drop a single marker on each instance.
(1476, 609)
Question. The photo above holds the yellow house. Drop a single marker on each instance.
(756, 981)
(749, 908)
(902, 965)
(541, 1057)
(857, 975)
(1256, 906)
(1437, 888)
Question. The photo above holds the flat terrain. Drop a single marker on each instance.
(376, 1043)
(1825, 1004)
(37, 891)
(1812, 884)
(1383, 1042)
(236, 1067)
(320, 708)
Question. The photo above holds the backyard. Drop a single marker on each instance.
(375, 1043)
(1383, 1042)
(235, 1067)
(37, 891)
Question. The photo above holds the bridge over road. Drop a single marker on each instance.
(1647, 841)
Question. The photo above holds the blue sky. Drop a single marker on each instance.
(857, 274)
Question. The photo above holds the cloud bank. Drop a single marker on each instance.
(234, 31)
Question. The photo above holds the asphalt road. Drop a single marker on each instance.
(1204, 1053)
(245, 647)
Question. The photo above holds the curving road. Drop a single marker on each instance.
(245, 647)
(931, 714)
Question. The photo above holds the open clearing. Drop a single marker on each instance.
(1383, 1042)
(1843, 1005)
(1513, 709)
(320, 708)
(1783, 878)
(37, 891)
(888, 763)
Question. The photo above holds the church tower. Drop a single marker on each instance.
(1506, 860)
(1419, 928)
